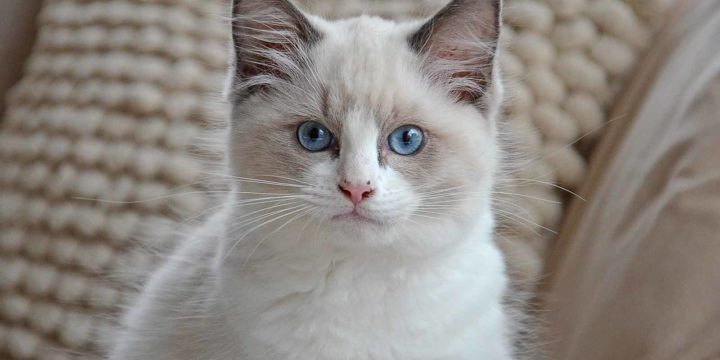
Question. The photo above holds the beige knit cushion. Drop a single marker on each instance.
(99, 137)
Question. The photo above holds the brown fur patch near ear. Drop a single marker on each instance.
(459, 44)
(269, 38)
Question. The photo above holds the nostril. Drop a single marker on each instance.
(367, 194)
(346, 192)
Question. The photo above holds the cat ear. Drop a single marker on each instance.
(270, 39)
(458, 47)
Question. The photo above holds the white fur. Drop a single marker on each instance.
(300, 284)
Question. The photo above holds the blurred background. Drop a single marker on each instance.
(611, 227)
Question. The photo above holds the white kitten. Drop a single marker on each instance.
(363, 155)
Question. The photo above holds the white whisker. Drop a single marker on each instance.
(527, 197)
(303, 212)
(230, 250)
(552, 185)
(517, 217)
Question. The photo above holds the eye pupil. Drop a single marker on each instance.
(314, 133)
(406, 140)
(406, 137)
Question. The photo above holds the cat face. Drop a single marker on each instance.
(373, 129)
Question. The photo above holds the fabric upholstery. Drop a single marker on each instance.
(102, 134)
(635, 274)
(97, 135)
(17, 34)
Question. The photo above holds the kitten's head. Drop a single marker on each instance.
(379, 131)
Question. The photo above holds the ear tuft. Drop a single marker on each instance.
(270, 39)
(458, 46)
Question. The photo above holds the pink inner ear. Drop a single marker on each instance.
(256, 65)
(466, 73)
(459, 45)
(464, 67)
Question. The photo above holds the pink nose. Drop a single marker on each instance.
(356, 193)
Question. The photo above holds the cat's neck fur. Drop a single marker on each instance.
(265, 293)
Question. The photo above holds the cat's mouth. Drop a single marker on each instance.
(356, 217)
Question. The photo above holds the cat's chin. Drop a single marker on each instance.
(357, 227)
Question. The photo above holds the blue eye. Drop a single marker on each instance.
(406, 140)
(313, 136)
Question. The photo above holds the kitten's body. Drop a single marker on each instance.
(405, 276)
(319, 305)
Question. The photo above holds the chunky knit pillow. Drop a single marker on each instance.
(99, 137)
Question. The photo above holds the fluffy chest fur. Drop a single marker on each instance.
(379, 306)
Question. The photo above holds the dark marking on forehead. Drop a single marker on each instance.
(324, 102)
(335, 104)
